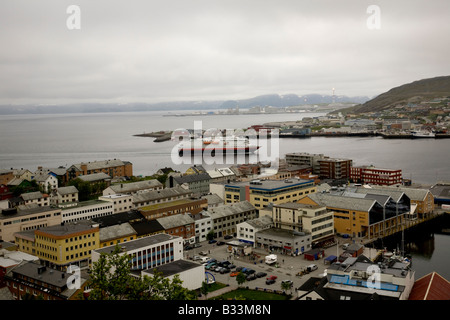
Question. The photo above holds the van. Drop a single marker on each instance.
(204, 260)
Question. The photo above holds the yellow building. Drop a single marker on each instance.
(368, 216)
(116, 234)
(62, 245)
(262, 192)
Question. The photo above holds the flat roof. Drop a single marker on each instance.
(139, 243)
(269, 184)
(171, 268)
(29, 211)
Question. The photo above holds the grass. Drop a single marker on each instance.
(247, 294)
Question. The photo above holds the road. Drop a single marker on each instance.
(288, 266)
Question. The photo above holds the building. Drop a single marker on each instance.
(422, 199)
(164, 209)
(226, 217)
(37, 198)
(181, 225)
(372, 175)
(313, 219)
(17, 220)
(367, 215)
(203, 225)
(195, 169)
(246, 231)
(6, 176)
(24, 174)
(116, 234)
(122, 202)
(262, 192)
(35, 280)
(10, 259)
(335, 168)
(64, 195)
(190, 273)
(221, 175)
(147, 252)
(133, 188)
(86, 210)
(431, 287)
(158, 196)
(283, 241)
(302, 159)
(147, 228)
(68, 244)
(96, 178)
(213, 200)
(197, 183)
(113, 168)
(361, 279)
(47, 182)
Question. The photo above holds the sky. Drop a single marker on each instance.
(176, 50)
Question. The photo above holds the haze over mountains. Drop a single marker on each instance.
(273, 100)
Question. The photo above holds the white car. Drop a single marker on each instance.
(311, 267)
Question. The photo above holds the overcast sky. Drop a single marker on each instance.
(167, 50)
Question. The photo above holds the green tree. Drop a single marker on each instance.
(204, 289)
(241, 278)
(210, 235)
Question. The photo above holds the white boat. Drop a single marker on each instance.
(423, 134)
(234, 145)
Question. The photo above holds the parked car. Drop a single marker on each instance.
(311, 267)
(218, 268)
(220, 243)
(249, 271)
(287, 281)
(212, 241)
(188, 248)
(195, 258)
(196, 245)
(231, 266)
(203, 253)
(251, 277)
(234, 274)
(270, 281)
(261, 274)
(271, 277)
(227, 237)
(224, 270)
(239, 269)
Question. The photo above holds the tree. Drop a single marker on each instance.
(111, 279)
(241, 278)
(204, 289)
(210, 235)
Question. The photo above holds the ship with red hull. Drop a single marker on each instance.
(217, 146)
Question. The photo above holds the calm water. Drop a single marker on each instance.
(28, 141)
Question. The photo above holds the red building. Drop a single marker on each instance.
(5, 193)
(335, 168)
(371, 175)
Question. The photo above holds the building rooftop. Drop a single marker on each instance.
(334, 201)
(94, 177)
(229, 209)
(67, 190)
(270, 184)
(96, 165)
(295, 205)
(32, 195)
(29, 211)
(140, 243)
(167, 204)
(175, 220)
(191, 178)
(119, 218)
(67, 229)
(431, 287)
(261, 222)
(172, 268)
(147, 227)
(135, 186)
(281, 234)
(116, 231)
(160, 194)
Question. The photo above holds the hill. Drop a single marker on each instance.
(416, 91)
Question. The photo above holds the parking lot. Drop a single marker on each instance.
(286, 269)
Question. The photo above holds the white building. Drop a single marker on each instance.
(64, 195)
(246, 231)
(72, 212)
(36, 198)
(147, 252)
(48, 182)
(192, 274)
(122, 202)
(133, 187)
(203, 225)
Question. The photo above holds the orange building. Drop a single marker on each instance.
(113, 168)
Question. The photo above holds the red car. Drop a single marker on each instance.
(271, 278)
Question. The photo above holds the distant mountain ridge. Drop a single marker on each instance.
(273, 100)
(416, 91)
